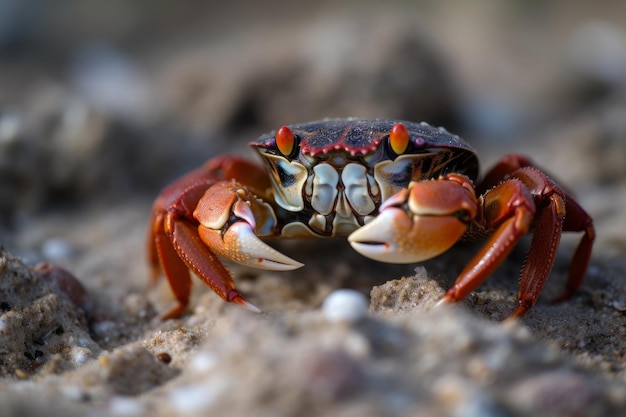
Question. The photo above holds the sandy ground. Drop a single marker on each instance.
(90, 130)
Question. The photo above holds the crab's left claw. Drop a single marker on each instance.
(419, 222)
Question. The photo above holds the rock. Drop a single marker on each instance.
(40, 327)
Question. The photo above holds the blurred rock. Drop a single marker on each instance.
(65, 283)
(40, 330)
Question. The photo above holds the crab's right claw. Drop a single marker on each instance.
(228, 224)
(419, 222)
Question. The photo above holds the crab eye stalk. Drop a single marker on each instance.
(285, 141)
(399, 139)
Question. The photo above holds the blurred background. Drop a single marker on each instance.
(103, 102)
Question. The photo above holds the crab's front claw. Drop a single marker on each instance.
(241, 245)
(419, 222)
(228, 226)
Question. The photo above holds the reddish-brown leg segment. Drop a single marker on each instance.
(569, 214)
(508, 210)
(173, 242)
(173, 266)
(577, 220)
(556, 212)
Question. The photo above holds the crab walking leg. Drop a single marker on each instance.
(577, 220)
(203, 262)
(195, 182)
(503, 170)
(176, 271)
(155, 234)
(509, 208)
(557, 212)
(541, 255)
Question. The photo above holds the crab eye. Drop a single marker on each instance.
(399, 138)
(285, 140)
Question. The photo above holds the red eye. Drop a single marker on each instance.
(285, 140)
(399, 138)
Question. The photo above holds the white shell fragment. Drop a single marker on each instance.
(345, 305)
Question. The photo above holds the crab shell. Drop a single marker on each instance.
(339, 171)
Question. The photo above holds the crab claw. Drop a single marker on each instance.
(229, 209)
(419, 222)
(244, 247)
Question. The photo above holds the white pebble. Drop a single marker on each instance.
(345, 305)
(203, 363)
(199, 398)
(126, 407)
(80, 355)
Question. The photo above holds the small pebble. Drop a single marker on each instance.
(164, 357)
(80, 355)
(345, 306)
(126, 407)
(203, 362)
(199, 398)
(21, 374)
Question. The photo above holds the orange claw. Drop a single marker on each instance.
(227, 225)
(438, 214)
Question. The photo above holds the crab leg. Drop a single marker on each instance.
(541, 255)
(569, 214)
(575, 219)
(509, 208)
(578, 220)
(176, 271)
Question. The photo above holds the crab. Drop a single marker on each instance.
(402, 192)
